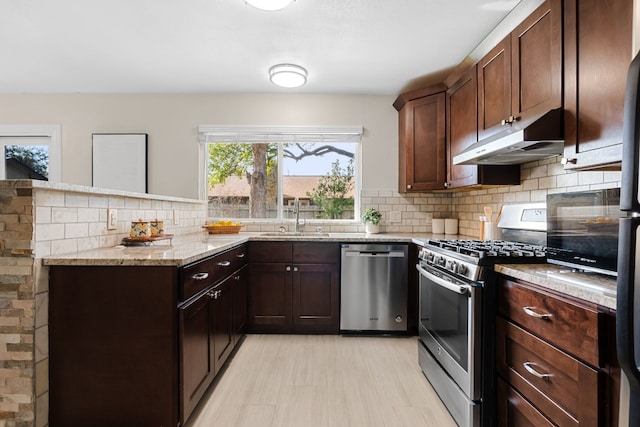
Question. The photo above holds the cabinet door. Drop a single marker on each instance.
(462, 128)
(270, 297)
(239, 309)
(196, 360)
(536, 62)
(597, 54)
(462, 131)
(221, 327)
(422, 144)
(315, 298)
(494, 89)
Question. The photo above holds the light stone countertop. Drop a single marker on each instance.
(182, 250)
(592, 287)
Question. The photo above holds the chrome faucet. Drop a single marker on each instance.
(296, 210)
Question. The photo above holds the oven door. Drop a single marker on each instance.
(450, 326)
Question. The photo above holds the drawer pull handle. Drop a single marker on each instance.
(532, 313)
(240, 255)
(529, 367)
(200, 276)
(224, 263)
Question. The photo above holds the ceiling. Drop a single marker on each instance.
(377, 47)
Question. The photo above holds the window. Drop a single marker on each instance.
(30, 152)
(259, 175)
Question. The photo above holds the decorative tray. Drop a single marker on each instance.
(145, 239)
(222, 229)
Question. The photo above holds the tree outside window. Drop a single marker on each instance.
(246, 179)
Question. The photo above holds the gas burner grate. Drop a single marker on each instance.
(489, 248)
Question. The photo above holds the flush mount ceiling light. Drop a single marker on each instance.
(288, 75)
(270, 5)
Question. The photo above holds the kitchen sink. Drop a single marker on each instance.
(296, 233)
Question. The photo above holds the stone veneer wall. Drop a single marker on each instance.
(39, 219)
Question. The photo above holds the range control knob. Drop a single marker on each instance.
(462, 269)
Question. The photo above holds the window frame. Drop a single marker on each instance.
(29, 132)
(283, 134)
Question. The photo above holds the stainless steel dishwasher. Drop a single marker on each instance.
(373, 288)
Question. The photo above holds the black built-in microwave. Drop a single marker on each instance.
(582, 229)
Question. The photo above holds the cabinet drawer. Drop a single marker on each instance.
(224, 264)
(570, 327)
(514, 410)
(270, 251)
(560, 386)
(196, 277)
(316, 253)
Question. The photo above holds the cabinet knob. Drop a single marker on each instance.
(509, 120)
(565, 161)
(288, 268)
(409, 186)
(295, 268)
(446, 185)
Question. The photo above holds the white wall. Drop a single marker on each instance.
(171, 120)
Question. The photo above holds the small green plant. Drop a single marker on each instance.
(371, 216)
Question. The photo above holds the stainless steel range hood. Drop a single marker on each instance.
(520, 142)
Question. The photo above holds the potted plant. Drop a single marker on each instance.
(371, 218)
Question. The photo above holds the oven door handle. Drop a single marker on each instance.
(459, 289)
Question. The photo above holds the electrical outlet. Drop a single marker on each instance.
(112, 219)
(176, 217)
(395, 216)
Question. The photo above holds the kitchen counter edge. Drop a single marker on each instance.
(184, 250)
(591, 287)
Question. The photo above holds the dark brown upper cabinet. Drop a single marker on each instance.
(521, 77)
(462, 131)
(421, 142)
(597, 53)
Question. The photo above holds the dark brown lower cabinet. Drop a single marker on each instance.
(270, 297)
(555, 359)
(239, 300)
(113, 348)
(315, 298)
(293, 287)
(515, 410)
(140, 345)
(196, 358)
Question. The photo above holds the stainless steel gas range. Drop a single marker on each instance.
(457, 312)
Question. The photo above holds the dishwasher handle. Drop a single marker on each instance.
(376, 254)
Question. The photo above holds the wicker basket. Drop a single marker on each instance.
(222, 229)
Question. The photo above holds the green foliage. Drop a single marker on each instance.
(227, 160)
(332, 189)
(35, 157)
(371, 215)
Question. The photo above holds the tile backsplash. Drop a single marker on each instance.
(537, 180)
